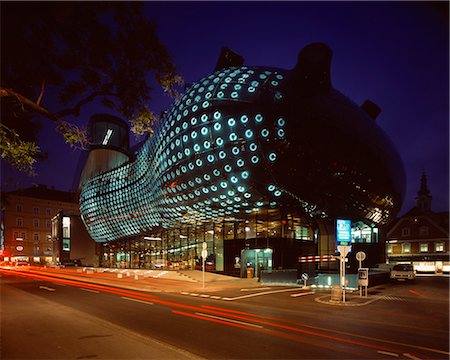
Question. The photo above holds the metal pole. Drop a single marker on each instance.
(343, 279)
(203, 272)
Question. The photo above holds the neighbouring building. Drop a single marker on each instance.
(27, 224)
(250, 168)
(421, 236)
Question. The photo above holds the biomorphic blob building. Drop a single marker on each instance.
(256, 162)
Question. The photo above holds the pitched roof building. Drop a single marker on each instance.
(421, 236)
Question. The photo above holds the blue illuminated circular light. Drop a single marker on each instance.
(220, 94)
(272, 156)
(198, 180)
(234, 94)
(237, 87)
(248, 133)
(255, 83)
(204, 130)
(251, 89)
(199, 162)
(271, 188)
(185, 125)
(277, 193)
(274, 83)
(217, 126)
(206, 144)
(207, 96)
(223, 184)
(254, 159)
(240, 163)
(204, 117)
(262, 76)
(231, 122)
(205, 104)
(280, 133)
(183, 169)
(194, 134)
(187, 152)
(244, 119)
(281, 122)
(217, 115)
(233, 137)
(253, 147)
(259, 203)
(177, 142)
(185, 112)
(279, 77)
(244, 175)
(265, 132)
(191, 166)
(219, 141)
(196, 147)
(230, 192)
(227, 168)
(234, 179)
(214, 188)
(216, 172)
(235, 150)
(259, 118)
(201, 89)
(194, 108)
(247, 195)
(185, 138)
(222, 154)
(206, 177)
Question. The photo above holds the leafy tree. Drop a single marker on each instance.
(69, 54)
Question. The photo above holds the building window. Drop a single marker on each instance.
(406, 248)
(19, 222)
(23, 236)
(405, 231)
(424, 247)
(19, 208)
(439, 246)
(389, 249)
(48, 212)
(16, 235)
(36, 237)
(48, 224)
(35, 223)
(36, 211)
(423, 230)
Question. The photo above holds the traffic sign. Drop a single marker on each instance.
(204, 245)
(360, 255)
(204, 253)
(305, 276)
(344, 250)
(343, 232)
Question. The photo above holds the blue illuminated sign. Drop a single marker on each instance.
(343, 232)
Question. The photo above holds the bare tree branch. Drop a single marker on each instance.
(41, 95)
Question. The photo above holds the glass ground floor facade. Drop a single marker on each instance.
(266, 239)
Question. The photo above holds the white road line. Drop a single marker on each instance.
(387, 353)
(258, 294)
(92, 291)
(229, 320)
(193, 294)
(411, 356)
(205, 296)
(216, 297)
(46, 288)
(303, 294)
(137, 300)
(256, 289)
(185, 293)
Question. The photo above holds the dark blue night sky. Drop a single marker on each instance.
(395, 54)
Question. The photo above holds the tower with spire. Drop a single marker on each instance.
(423, 198)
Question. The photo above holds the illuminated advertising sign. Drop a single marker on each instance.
(343, 232)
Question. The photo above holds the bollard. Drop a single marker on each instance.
(119, 276)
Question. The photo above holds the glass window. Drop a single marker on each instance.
(66, 227)
(48, 223)
(35, 210)
(389, 249)
(424, 247)
(48, 212)
(16, 235)
(406, 247)
(36, 237)
(405, 231)
(439, 246)
(23, 236)
(35, 223)
(19, 222)
(19, 208)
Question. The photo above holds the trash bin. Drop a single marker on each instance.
(336, 293)
(249, 273)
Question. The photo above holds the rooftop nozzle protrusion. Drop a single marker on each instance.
(371, 109)
(312, 71)
(228, 58)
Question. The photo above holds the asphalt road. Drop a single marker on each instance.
(404, 321)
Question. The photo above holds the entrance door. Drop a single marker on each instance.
(257, 260)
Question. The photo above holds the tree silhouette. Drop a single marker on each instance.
(69, 54)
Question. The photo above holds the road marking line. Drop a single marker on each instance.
(92, 291)
(46, 288)
(256, 289)
(387, 353)
(229, 320)
(205, 296)
(185, 293)
(216, 297)
(194, 294)
(303, 294)
(258, 294)
(137, 300)
(411, 356)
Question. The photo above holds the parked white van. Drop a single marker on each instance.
(403, 272)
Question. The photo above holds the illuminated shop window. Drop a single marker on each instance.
(439, 246)
(424, 247)
(406, 248)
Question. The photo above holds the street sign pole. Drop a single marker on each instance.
(343, 250)
(360, 256)
(204, 254)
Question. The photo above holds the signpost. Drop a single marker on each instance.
(204, 255)
(343, 241)
(363, 273)
(305, 278)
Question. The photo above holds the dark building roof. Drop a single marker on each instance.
(43, 192)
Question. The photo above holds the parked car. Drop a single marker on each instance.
(403, 272)
(22, 263)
